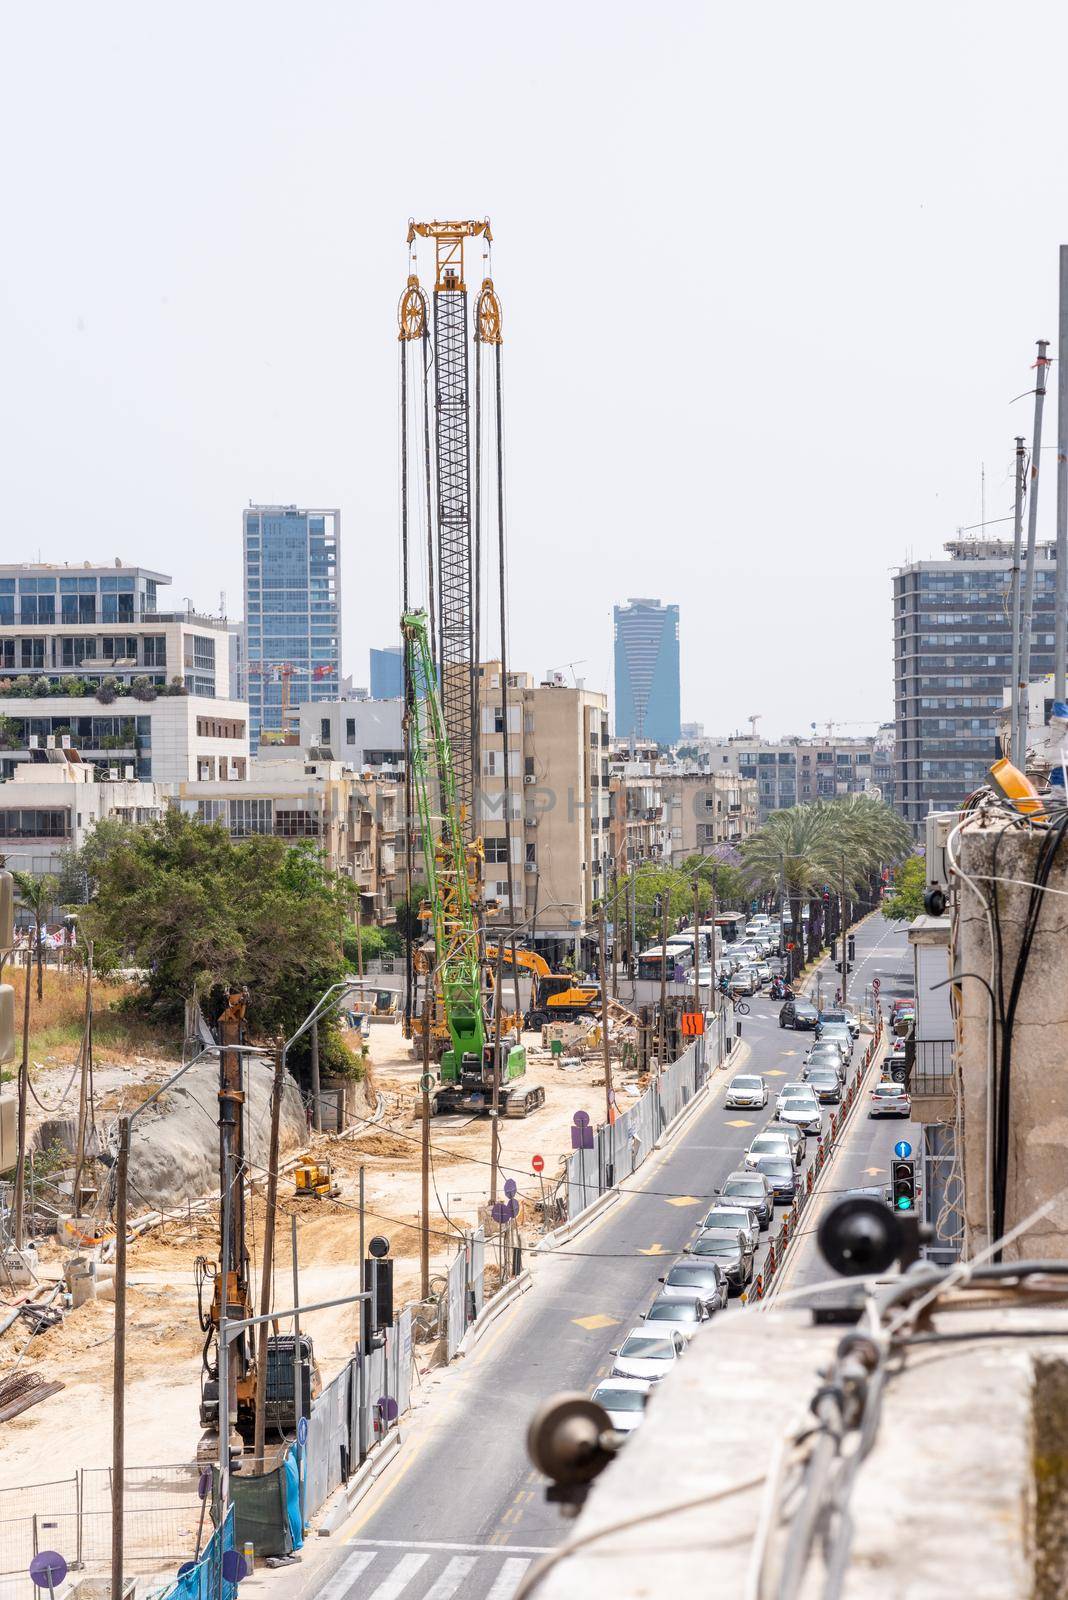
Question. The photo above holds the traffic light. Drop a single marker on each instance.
(852, 955)
(903, 1185)
(834, 951)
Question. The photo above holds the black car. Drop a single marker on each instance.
(751, 1189)
(704, 1280)
(730, 1250)
(781, 1174)
(799, 1014)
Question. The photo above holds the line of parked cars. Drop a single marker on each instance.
(751, 962)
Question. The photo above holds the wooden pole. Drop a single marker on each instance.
(608, 1095)
(24, 1079)
(118, 1387)
(317, 1104)
(267, 1269)
(696, 944)
(495, 1107)
(83, 1086)
(662, 1043)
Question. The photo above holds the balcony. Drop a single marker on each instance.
(931, 1078)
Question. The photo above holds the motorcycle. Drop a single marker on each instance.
(780, 989)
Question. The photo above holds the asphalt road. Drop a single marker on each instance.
(462, 1512)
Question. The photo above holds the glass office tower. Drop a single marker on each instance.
(292, 615)
(648, 692)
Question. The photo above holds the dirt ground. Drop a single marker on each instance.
(164, 1337)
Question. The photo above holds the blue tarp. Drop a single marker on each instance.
(202, 1582)
(292, 1472)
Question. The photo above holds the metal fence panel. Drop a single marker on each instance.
(455, 1309)
(477, 1270)
(326, 1458)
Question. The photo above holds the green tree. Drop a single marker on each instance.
(38, 895)
(196, 912)
(905, 900)
(409, 924)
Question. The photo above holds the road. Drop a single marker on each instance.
(462, 1512)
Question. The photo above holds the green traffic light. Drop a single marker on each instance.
(904, 1203)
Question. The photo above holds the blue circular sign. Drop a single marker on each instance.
(581, 1119)
(902, 1149)
(302, 1432)
(47, 1569)
(510, 1187)
(234, 1566)
(387, 1407)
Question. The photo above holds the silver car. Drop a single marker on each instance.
(742, 1217)
(800, 1110)
(839, 1032)
(647, 1354)
(624, 1400)
(672, 1313)
(747, 1090)
(775, 1141)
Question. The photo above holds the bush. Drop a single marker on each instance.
(377, 942)
(107, 689)
(76, 687)
(141, 688)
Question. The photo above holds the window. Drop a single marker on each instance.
(34, 823)
(296, 824)
(220, 728)
(211, 810)
(155, 649)
(496, 850)
(350, 730)
(250, 816)
(32, 653)
(324, 730)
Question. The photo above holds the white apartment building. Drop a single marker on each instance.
(360, 732)
(51, 804)
(89, 662)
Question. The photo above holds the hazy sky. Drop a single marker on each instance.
(772, 276)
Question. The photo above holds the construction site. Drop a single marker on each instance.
(197, 1249)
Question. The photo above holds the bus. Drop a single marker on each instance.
(731, 925)
(679, 956)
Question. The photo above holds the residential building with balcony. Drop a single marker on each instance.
(793, 771)
(639, 831)
(89, 662)
(706, 809)
(51, 804)
(952, 663)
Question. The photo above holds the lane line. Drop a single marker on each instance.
(444, 1544)
(451, 1579)
(346, 1575)
(399, 1579)
(508, 1580)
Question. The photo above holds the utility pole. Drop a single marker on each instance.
(1060, 608)
(267, 1269)
(424, 1217)
(24, 1079)
(662, 1044)
(697, 943)
(1014, 593)
(616, 920)
(118, 1377)
(83, 1085)
(608, 1093)
(1020, 754)
(317, 1104)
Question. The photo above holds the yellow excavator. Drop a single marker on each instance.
(554, 996)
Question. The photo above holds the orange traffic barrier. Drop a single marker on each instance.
(808, 1181)
(770, 1263)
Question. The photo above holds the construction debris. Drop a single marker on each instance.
(21, 1390)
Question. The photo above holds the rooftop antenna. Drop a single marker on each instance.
(752, 721)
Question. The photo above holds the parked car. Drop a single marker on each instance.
(839, 1032)
(842, 1014)
(729, 1248)
(826, 1055)
(645, 1354)
(744, 981)
(827, 1084)
(799, 1014)
(746, 1090)
(674, 1313)
(704, 1280)
(777, 1140)
(889, 1099)
(754, 1189)
(723, 1214)
(800, 1110)
(781, 1174)
(624, 1400)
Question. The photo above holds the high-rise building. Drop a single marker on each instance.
(952, 661)
(292, 613)
(648, 696)
(387, 673)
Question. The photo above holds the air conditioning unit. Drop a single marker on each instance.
(129, 772)
(939, 826)
(532, 866)
(531, 822)
(34, 742)
(529, 777)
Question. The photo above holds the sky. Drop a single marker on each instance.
(772, 279)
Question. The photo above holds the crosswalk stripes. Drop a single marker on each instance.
(431, 1571)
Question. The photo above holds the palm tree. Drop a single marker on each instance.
(37, 894)
(789, 854)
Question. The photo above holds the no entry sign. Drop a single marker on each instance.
(538, 1163)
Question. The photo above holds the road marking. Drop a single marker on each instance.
(740, 1122)
(346, 1575)
(399, 1579)
(873, 1172)
(508, 1580)
(451, 1578)
(773, 1072)
(441, 1544)
(655, 1250)
(685, 1200)
(598, 1320)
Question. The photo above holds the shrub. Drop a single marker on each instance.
(107, 689)
(141, 688)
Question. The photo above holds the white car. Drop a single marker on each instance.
(724, 1214)
(789, 1142)
(746, 1090)
(763, 971)
(647, 1354)
(624, 1400)
(840, 1034)
(801, 1110)
(744, 981)
(673, 1314)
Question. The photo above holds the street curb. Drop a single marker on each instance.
(492, 1310)
(363, 1480)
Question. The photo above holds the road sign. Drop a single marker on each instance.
(234, 1566)
(693, 1024)
(302, 1432)
(876, 985)
(510, 1187)
(387, 1408)
(537, 1163)
(902, 1149)
(47, 1569)
(581, 1132)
